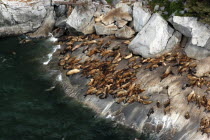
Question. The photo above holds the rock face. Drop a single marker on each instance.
(140, 16)
(125, 33)
(198, 46)
(18, 17)
(152, 40)
(81, 19)
(105, 30)
(46, 28)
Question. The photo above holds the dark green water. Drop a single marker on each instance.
(29, 112)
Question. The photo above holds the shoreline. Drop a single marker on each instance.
(158, 124)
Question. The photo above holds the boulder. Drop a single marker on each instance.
(18, 17)
(198, 33)
(124, 7)
(81, 19)
(116, 14)
(140, 16)
(101, 29)
(152, 40)
(125, 33)
(203, 67)
(196, 52)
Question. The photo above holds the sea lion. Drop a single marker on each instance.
(166, 73)
(74, 71)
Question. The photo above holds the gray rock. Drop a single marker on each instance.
(203, 67)
(124, 7)
(101, 29)
(197, 31)
(174, 41)
(152, 40)
(18, 17)
(114, 2)
(81, 19)
(140, 16)
(46, 27)
(196, 52)
(61, 22)
(121, 23)
(125, 33)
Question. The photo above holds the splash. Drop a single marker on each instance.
(51, 54)
(59, 77)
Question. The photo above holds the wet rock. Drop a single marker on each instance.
(81, 19)
(199, 34)
(114, 15)
(140, 16)
(125, 33)
(46, 28)
(105, 30)
(19, 17)
(152, 40)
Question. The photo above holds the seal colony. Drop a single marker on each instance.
(114, 71)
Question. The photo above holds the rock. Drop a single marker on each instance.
(203, 67)
(174, 41)
(18, 17)
(152, 40)
(121, 23)
(140, 16)
(197, 31)
(114, 2)
(156, 8)
(196, 52)
(190, 27)
(58, 32)
(46, 28)
(125, 33)
(81, 19)
(105, 30)
(61, 22)
(124, 7)
(60, 10)
(114, 15)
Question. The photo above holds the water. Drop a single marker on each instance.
(33, 105)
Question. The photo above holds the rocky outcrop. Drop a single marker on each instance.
(198, 46)
(140, 16)
(81, 19)
(152, 40)
(19, 17)
(125, 33)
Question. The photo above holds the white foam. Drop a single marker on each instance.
(59, 77)
(51, 54)
(52, 38)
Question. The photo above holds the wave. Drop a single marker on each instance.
(51, 54)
